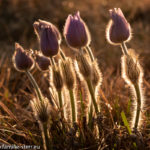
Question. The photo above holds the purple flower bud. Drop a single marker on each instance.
(42, 62)
(118, 29)
(22, 60)
(76, 32)
(49, 37)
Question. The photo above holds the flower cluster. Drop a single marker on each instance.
(69, 101)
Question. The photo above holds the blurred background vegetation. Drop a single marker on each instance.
(17, 17)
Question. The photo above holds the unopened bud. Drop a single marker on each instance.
(96, 74)
(118, 29)
(57, 78)
(49, 37)
(131, 69)
(68, 73)
(42, 62)
(84, 65)
(22, 59)
(76, 32)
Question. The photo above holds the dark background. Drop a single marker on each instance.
(17, 17)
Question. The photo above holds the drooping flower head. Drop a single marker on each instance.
(22, 59)
(118, 29)
(76, 32)
(49, 37)
(42, 62)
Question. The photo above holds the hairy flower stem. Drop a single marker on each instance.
(35, 85)
(60, 103)
(52, 61)
(91, 90)
(46, 137)
(137, 92)
(90, 53)
(138, 97)
(62, 55)
(72, 105)
(124, 48)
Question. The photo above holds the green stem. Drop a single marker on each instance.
(72, 105)
(138, 96)
(90, 53)
(124, 48)
(61, 103)
(35, 85)
(91, 90)
(91, 112)
(62, 54)
(90, 115)
(48, 142)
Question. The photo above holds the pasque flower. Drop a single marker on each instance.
(76, 32)
(22, 59)
(49, 37)
(42, 62)
(118, 29)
